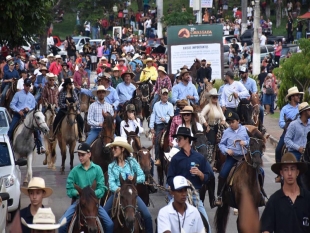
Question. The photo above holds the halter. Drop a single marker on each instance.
(251, 153)
(32, 127)
(145, 98)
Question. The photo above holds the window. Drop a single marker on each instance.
(263, 49)
(3, 121)
(4, 155)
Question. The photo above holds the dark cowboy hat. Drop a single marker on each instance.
(131, 74)
(289, 158)
(184, 131)
(67, 81)
(182, 103)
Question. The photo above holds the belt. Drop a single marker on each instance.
(159, 124)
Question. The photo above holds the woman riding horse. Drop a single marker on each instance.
(127, 167)
(68, 94)
(130, 122)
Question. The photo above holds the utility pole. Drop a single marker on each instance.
(256, 41)
(160, 9)
(197, 8)
(244, 16)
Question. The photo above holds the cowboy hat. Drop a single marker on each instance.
(50, 55)
(101, 88)
(149, 59)
(184, 71)
(8, 58)
(292, 91)
(288, 158)
(37, 183)
(67, 81)
(43, 69)
(122, 142)
(162, 69)
(184, 67)
(115, 69)
(212, 92)
(182, 103)
(137, 55)
(44, 219)
(50, 75)
(187, 109)
(103, 59)
(208, 63)
(122, 59)
(57, 57)
(303, 107)
(184, 131)
(127, 72)
(172, 152)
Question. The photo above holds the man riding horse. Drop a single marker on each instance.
(50, 91)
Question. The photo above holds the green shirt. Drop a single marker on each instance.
(83, 178)
(116, 82)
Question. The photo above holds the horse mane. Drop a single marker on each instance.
(108, 119)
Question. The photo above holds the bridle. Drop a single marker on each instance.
(255, 113)
(32, 127)
(145, 99)
(84, 217)
(251, 154)
(202, 145)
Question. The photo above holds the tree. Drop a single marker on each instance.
(295, 71)
(22, 19)
(177, 17)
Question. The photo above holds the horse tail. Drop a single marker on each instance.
(221, 218)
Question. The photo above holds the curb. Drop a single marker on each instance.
(273, 141)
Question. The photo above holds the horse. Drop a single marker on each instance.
(23, 140)
(124, 212)
(146, 89)
(137, 102)
(85, 218)
(9, 95)
(50, 145)
(84, 105)
(68, 134)
(255, 102)
(203, 99)
(193, 70)
(305, 178)
(237, 182)
(245, 112)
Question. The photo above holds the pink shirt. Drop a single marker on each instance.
(55, 68)
(99, 51)
(78, 77)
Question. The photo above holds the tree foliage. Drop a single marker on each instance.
(177, 17)
(21, 19)
(295, 71)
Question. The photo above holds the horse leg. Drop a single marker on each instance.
(72, 154)
(53, 155)
(63, 151)
(29, 169)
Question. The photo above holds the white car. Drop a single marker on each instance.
(99, 42)
(79, 41)
(10, 172)
(4, 197)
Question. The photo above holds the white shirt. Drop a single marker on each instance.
(50, 40)
(148, 23)
(263, 39)
(87, 26)
(129, 49)
(37, 72)
(228, 100)
(20, 84)
(249, 11)
(167, 220)
(132, 125)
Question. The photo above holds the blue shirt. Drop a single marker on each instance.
(22, 100)
(287, 112)
(114, 171)
(125, 92)
(250, 85)
(230, 136)
(180, 91)
(296, 135)
(161, 110)
(220, 92)
(10, 75)
(134, 63)
(112, 98)
(40, 80)
(181, 165)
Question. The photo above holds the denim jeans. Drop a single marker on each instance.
(147, 32)
(105, 218)
(227, 166)
(92, 135)
(279, 148)
(88, 74)
(3, 94)
(158, 128)
(298, 35)
(297, 154)
(142, 208)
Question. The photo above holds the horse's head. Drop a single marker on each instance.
(134, 140)
(128, 200)
(71, 112)
(209, 85)
(144, 159)
(146, 89)
(38, 121)
(257, 147)
(245, 112)
(137, 102)
(107, 132)
(87, 207)
(50, 114)
(201, 143)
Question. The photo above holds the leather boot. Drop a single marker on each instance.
(220, 187)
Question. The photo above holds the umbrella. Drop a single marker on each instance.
(305, 16)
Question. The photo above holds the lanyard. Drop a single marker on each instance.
(179, 217)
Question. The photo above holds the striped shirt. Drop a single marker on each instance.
(50, 94)
(95, 113)
(162, 83)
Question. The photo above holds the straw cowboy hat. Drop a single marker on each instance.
(187, 109)
(303, 107)
(50, 55)
(43, 69)
(137, 55)
(162, 69)
(184, 71)
(122, 142)
(50, 75)
(101, 88)
(292, 91)
(57, 57)
(172, 152)
(149, 59)
(37, 183)
(212, 92)
(127, 72)
(289, 158)
(44, 219)
(115, 69)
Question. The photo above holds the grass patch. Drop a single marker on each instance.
(66, 27)
(276, 115)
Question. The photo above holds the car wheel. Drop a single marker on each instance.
(13, 213)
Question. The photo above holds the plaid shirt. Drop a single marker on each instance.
(162, 83)
(95, 113)
(116, 82)
(62, 99)
(50, 95)
(176, 121)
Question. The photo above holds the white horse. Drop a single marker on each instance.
(23, 140)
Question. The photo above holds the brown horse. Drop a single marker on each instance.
(255, 102)
(67, 135)
(86, 217)
(84, 105)
(137, 102)
(9, 95)
(193, 70)
(50, 145)
(237, 182)
(124, 211)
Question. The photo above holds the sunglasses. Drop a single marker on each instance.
(186, 114)
(178, 139)
(131, 111)
(114, 147)
(215, 97)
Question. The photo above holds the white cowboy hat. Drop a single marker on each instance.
(33, 57)
(103, 59)
(172, 152)
(122, 142)
(57, 57)
(37, 183)
(50, 75)
(212, 92)
(9, 57)
(303, 107)
(50, 55)
(137, 55)
(292, 91)
(44, 219)
(101, 88)
(46, 60)
(162, 69)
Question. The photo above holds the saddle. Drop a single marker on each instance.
(8, 94)
(16, 126)
(74, 218)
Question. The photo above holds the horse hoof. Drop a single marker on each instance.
(235, 211)
(44, 162)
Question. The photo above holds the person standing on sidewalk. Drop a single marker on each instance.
(296, 136)
(288, 113)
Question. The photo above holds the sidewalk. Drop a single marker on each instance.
(271, 123)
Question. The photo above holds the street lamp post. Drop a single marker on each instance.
(256, 41)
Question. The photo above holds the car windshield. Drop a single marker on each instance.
(4, 155)
(76, 40)
(3, 121)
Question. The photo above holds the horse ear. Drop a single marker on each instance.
(78, 188)
(121, 179)
(137, 130)
(150, 148)
(94, 185)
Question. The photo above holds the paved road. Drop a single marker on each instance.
(60, 202)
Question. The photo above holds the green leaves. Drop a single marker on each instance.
(177, 17)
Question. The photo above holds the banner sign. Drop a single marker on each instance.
(204, 3)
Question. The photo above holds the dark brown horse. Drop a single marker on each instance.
(137, 102)
(232, 193)
(305, 178)
(86, 217)
(245, 111)
(9, 95)
(145, 88)
(193, 70)
(124, 211)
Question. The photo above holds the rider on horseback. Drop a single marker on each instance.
(9, 76)
(40, 83)
(233, 151)
(84, 175)
(204, 72)
(130, 122)
(149, 71)
(50, 91)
